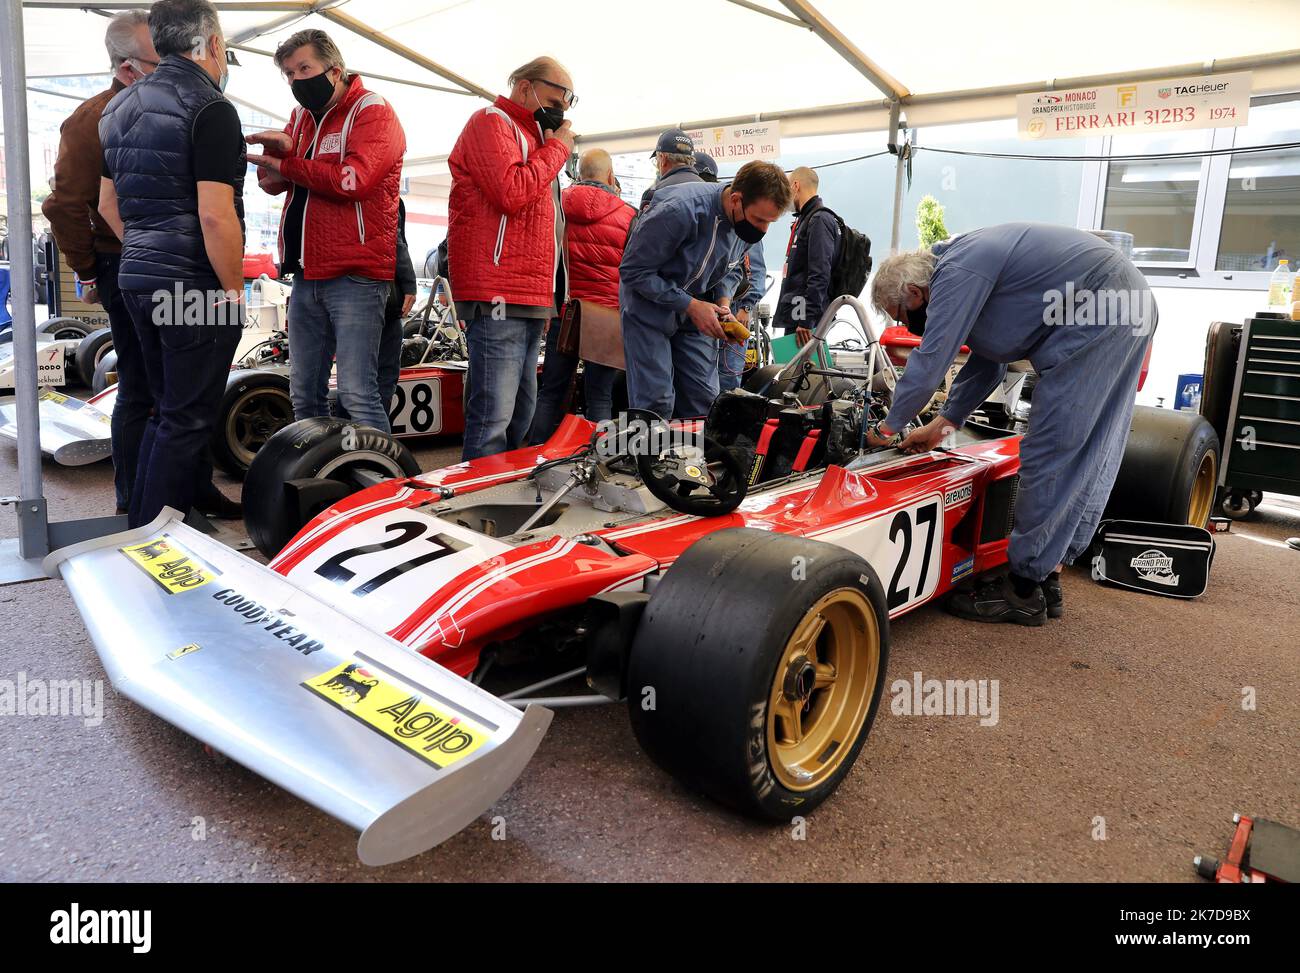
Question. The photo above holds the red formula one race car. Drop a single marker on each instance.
(732, 579)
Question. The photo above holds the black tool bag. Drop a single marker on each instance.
(1160, 559)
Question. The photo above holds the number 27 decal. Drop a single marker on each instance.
(407, 531)
(901, 528)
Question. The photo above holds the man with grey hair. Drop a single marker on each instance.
(172, 190)
(995, 290)
(674, 157)
(505, 242)
(89, 244)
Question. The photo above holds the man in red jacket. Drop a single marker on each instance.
(596, 224)
(504, 241)
(340, 161)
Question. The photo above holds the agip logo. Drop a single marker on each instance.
(169, 563)
(1156, 567)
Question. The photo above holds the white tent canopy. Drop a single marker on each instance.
(639, 67)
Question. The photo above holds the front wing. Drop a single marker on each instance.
(345, 718)
(73, 432)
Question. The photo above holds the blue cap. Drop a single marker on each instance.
(674, 141)
(705, 165)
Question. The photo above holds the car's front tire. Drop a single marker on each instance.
(313, 449)
(757, 669)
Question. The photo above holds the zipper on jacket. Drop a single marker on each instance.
(302, 243)
(361, 224)
(713, 240)
(501, 239)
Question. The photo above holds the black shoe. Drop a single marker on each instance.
(220, 507)
(995, 600)
(1052, 595)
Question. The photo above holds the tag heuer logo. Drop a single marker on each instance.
(1155, 566)
(1164, 92)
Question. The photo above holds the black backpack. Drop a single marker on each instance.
(852, 259)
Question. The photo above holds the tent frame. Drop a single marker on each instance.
(37, 536)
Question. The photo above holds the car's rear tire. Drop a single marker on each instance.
(63, 329)
(90, 352)
(256, 406)
(105, 372)
(1169, 471)
(319, 448)
(721, 664)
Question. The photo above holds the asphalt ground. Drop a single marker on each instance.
(1127, 735)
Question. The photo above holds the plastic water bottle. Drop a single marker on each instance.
(1279, 286)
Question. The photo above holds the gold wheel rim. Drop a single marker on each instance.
(1201, 501)
(822, 690)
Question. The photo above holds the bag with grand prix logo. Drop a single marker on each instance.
(1160, 559)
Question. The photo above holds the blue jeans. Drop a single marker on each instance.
(337, 321)
(187, 366)
(557, 376)
(502, 383)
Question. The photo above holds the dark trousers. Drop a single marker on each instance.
(187, 366)
(134, 400)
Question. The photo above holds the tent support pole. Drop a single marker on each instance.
(895, 139)
(33, 535)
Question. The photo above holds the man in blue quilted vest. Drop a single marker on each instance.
(172, 190)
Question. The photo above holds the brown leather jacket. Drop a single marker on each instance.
(70, 207)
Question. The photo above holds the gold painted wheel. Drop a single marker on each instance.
(823, 688)
(1201, 500)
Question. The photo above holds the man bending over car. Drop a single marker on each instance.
(999, 290)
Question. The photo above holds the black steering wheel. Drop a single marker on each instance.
(706, 489)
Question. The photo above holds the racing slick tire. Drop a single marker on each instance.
(255, 406)
(90, 352)
(105, 372)
(308, 449)
(757, 669)
(1170, 469)
(63, 329)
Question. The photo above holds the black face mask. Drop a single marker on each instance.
(746, 230)
(550, 119)
(314, 93)
(916, 318)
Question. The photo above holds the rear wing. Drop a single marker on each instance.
(347, 719)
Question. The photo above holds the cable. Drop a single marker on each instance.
(1135, 157)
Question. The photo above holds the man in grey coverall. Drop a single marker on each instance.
(1083, 315)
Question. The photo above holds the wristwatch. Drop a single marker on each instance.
(874, 428)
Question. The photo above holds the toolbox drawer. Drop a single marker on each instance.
(1266, 407)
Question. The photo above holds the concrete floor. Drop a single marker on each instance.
(1128, 710)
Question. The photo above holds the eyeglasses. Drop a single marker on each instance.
(143, 60)
(570, 99)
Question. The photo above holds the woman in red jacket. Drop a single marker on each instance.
(596, 223)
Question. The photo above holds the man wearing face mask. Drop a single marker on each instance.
(992, 290)
(505, 240)
(172, 191)
(340, 160)
(676, 281)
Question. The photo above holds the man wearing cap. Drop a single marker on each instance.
(674, 154)
(706, 166)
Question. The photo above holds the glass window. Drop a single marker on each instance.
(1155, 200)
(1261, 215)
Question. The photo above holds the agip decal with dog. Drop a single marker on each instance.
(171, 564)
(399, 712)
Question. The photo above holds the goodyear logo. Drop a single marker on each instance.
(399, 713)
(168, 562)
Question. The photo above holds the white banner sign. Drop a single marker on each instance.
(739, 143)
(1197, 101)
